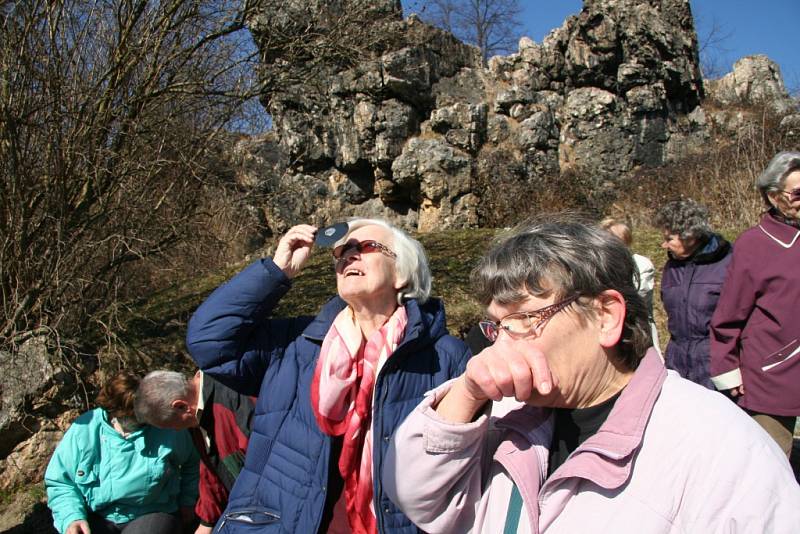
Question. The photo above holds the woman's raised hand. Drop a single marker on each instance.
(294, 249)
(508, 368)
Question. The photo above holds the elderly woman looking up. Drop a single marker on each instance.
(755, 331)
(569, 423)
(332, 388)
(690, 285)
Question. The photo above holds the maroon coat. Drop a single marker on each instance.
(755, 330)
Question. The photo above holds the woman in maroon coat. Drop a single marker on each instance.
(755, 331)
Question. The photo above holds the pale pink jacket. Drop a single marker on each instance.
(672, 457)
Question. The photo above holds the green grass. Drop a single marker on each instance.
(154, 327)
(150, 332)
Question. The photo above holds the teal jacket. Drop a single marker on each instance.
(95, 469)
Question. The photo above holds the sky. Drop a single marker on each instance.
(746, 26)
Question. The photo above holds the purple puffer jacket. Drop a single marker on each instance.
(690, 289)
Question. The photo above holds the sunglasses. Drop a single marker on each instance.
(361, 247)
(794, 194)
(522, 324)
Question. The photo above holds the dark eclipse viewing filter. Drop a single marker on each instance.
(329, 235)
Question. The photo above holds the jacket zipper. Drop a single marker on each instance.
(377, 408)
(230, 515)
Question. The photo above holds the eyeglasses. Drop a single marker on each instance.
(361, 247)
(523, 324)
(794, 194)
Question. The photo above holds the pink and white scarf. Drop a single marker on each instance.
(341, 395)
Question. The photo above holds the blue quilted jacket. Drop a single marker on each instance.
(283, 484)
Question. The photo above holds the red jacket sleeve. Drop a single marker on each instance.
(225, 420)
(213, 497)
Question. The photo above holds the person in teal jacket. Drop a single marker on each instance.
(111, 475)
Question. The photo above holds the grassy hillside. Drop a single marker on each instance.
(153, 329)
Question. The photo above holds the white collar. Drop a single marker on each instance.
(778, 241)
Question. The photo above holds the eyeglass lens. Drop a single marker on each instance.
(361, 247)
(523, 323)
(515, 325)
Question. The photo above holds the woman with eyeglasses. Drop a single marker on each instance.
(570, 422)
(332, 388)
(697, 263)
(755, 331)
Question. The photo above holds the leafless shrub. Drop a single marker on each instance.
(301, 42)
(509, 195)
(722, 176)
(110, 115)
(501, 184)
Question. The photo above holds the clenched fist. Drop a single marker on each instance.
(508, 368)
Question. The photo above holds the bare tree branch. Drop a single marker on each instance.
(111, 115)
(491, 25)
(712, 37)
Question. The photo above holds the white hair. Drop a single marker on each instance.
(774, 176)
(411, 261)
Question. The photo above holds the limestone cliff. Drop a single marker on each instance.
(404, 122)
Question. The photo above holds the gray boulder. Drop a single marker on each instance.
(24, 377)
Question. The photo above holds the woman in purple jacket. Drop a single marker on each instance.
(690, 285)
(755, 332)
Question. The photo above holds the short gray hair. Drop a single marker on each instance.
(567, 255)
(774, 176)
(411, 261)
(154, 397)
(686, 218)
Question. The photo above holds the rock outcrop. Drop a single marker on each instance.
(754, 86)
(753, 80)
(407, 121)
(24, 377)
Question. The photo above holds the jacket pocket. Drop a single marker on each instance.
(249, 520)
(784, 354)
(88, 481)
(86, 474)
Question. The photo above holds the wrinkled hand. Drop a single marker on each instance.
(509, 368)
(202, 529)
(81, 526)
(738, 391)
(294, 249)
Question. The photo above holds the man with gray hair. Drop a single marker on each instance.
(219, 420)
